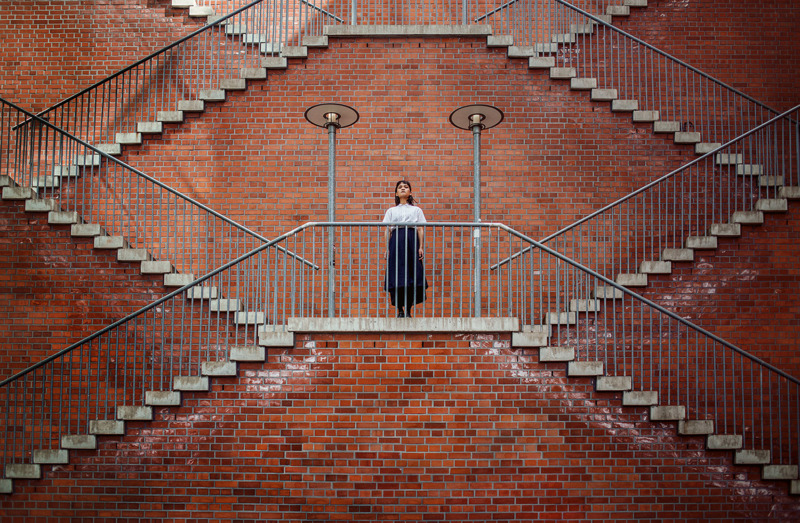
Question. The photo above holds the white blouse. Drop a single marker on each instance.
(404, 213)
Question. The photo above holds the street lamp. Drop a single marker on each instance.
(331, 116)
(476, 118)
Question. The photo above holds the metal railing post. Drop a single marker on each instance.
(331, 213)
(476, 211)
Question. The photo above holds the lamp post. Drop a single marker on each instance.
(331, 116)
(476, 118)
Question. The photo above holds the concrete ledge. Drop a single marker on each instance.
(202, 293)
(250, 318)
(724, 442)
(748, 217)
(190, 383)
(528, 339)
(678, 255)
(273, 338)
(17, 193)
(790, 192)
(499, 41)
(85, 230)
(585, 368)
(749, 170)
(725, 229)
(655, 267)
(109, 242)
(604, 95)
(752, 457)
(773, 205)
(169, 116)
(706, 147)
(607, 292)
(177, 280)
(6, 486)
(407, 30)
(541, 62)
(701, 242)
(78, 441)
(583, 84)
(561, 318)
(51, 456)
(107, 427)
(134, 413)
(40, 205)
(668, 413)
(156, 267)
(132, 255)
(576, 305)
(632, 279)
(315, 41)
(767, 180)
(191, 106)
(247, 353)
(613, 383)
(62, 217)
(403, 325)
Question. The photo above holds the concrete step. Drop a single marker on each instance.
(258, 39)
(790, 193)
(667, 413)
(752, 457)
(156, 267)
(253, 73)
(169, 116)
(773, 205)
(62, 217)
(43, 182)
(5, 181)
(491, 41)
(577, 305)
(607, 292)
(202, 293)
(556, 354)
(620, 106)
(212, 95)
(655, 267)
(190, 383)
(706, 147)
(632, 280)
(87, 160)
(779, 472)
(666, 127)
(322, 41)
(183, 4)
(614, 383)
(528, 339)
(128, 138)
(17, 193)
(687, 137)
(585, 368)
(724, 442)
(604, 95)
(107, 427)
(545, 48)
(696, 427)
(275, 338)
(640, 398)
(582, 28)
(583, 84)
(23, 471)
(748, 217)
(85, 230)
(51, 456)
(269, 48)
(678, 255)
(78, 441)
(191, 106)
(248, 353)
(199, 11)
(224, 305)
(701, 242)
(177, 280)
(749, 169)
(618, 10)
(162, 398)
(218, 368)
(273, 62)
(521, 51)
(149, 127)
(134, 413)
(646, 116)
(725, 229)
(561, 318)
(250, 318)
(636, 3)
(728, 158)
(541, 62)
(770, 181)
(290, 51)
(132, 255)
(563, 38)
(794, 488)
(562, 73)
(6, 486)
(235, 28)
(233, 84)
(40, 205)
(111, 149)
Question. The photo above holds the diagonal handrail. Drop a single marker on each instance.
(169, 339)
(29, 174)
(705, 158)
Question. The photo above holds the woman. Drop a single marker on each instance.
(405, 276)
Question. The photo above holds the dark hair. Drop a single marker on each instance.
(410, 200)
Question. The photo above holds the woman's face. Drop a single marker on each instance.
(403, 190)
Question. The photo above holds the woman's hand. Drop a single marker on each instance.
(420, 253)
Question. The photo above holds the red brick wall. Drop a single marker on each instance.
(57, 289)
(752, 47)
(401, 427)
(53, 49)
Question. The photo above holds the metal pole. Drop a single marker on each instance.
(331, 210)
(475, 121)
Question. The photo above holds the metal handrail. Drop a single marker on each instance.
(655, 182)
(95, 150)
(475, 225)
(143, 60)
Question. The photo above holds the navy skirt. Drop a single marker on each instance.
(405, 275)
